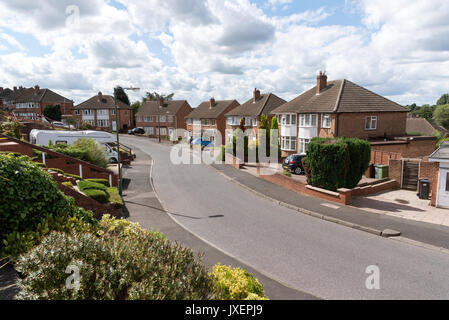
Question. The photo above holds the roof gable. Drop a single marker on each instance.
(151, 108)
(101, 101)
(205, 111)
(264, 105)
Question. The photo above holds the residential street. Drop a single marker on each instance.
(319, 257)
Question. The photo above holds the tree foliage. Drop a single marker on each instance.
(337, 163)
(120, 94)
(441, 115)
(444, 99)
(154, 96)
(53, 112)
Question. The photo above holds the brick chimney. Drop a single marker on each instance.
(100, 94)
(161, 102)
(36, 88)
(321, 82)
(256, 95)
(212, 102)
(15, 88)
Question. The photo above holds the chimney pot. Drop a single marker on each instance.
(100, 93)
(256, 95)
(15, 88)
(36, 88)
(212, 102)
(321, 82)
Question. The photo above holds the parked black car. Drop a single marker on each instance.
(293, 163)
(136, 130)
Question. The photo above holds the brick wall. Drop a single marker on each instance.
(390, 123)
(416, 148)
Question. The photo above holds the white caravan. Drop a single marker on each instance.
(43, 138)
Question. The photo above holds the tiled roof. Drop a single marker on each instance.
(423, 126)
(13, 94)
(41, 95)
(5, 93)
(151, 108)
(340, 96)
(264, 105)
(101, 102)
(205, 111)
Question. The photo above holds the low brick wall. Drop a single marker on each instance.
(342, 197)
(10, 146)
(375, 188)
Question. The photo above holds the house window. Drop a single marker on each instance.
(163, 119)
(326, 121)
(189, 121)
(77, 112)
(288, 143)
(149, 130)
(212, 122)
(370, 123)
(139, 118)
(308, 120)
(163, 131)
(205, 122)
(288, 119)
(170, 119)
(247, 121)
(303, 144)
(103, 112)
(103, 123)
(254, 122)
(196, 122)
(88, 112)
(148, 119)
(113, 112)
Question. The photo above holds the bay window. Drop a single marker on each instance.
(288, 143)
(308, 120)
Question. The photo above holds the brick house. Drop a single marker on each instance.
(209, 117)
(162, 116)
(340, 108)
(99, 111)
(251, 111)
(30, 104)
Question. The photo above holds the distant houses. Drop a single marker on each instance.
(99, 112)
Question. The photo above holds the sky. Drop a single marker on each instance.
(200, 49)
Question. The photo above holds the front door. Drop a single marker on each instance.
(443, 191)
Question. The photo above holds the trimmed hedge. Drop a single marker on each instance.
(87, 185)
(337, 162)
(101, 181)
(98, 195)
(73, 176)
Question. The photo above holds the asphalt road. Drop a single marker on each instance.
(315, 256)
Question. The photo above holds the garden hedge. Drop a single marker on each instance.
(87, 185)
(337, 162)
(29, 196)
(98, 195)
(100, 181)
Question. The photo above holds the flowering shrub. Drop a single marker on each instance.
(236, 284)
(121, 261)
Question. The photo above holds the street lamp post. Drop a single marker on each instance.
(117, 118)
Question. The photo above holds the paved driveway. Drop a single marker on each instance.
(311, 255)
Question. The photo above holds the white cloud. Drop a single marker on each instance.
(226, 48)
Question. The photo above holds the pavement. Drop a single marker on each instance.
(325, 259)
(143, 206)
(403, 204)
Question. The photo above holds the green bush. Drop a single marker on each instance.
(286, 173)
(87, 185)
(41, 165)
(114, 197)
(101, 181)
(57, 170)
(98, 195)
(337, 163)
(236, 284)
(29, 196)
(68, 184)
(125, 262)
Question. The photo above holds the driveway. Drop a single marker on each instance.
(403, 204)
(309, 254)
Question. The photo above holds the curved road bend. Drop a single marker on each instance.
(312, 255)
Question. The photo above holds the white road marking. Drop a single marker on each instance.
(330, 205)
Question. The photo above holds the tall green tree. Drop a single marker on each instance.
(273, 139)
(441, 115)
(120, 94)
(444, 99)
(426, 112)
(154, 96)
(264, 125)
(53, 112)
